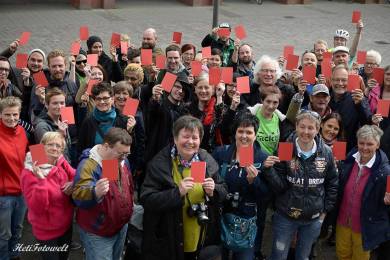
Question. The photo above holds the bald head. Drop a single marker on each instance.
(149, 38)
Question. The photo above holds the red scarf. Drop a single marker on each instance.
(209, 112)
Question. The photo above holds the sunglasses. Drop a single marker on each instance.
(81, 61)
(310, 112)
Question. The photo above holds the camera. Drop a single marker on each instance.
(200, 211)
(234, 199)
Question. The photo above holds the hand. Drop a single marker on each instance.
(321, 79)
(209, 186)
(37, 171)
(281, 61)
(220, 89)
(14, 46)
(114, 56)
(237, 43)
(371, 83)
(357, 96)
(386, 199)
(85, 98)
(130, 123)
(252, 173)
(322, 217)
(270, 161)
(214, 32)
(72, 61)
(185, 185)
(376, 119)
(302, 86)
(25, 75)
(153, 71)
(101, 188)
(67, 188)
(124, 58)
(40, 92)
(63, 127)
(359, 26)
(87, 72)
(157, 92)
(296, 75)
(235, 101)
(190, 79)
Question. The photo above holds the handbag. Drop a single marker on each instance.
(238, 233)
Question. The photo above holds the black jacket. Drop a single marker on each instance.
(113, 69)
(163, 216)
(308, 186)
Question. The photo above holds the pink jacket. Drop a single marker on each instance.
(50, 211)
(373, 97)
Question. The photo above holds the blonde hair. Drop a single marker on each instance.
(50, 136)
(134, 67)
(10, 101)
(55, 53)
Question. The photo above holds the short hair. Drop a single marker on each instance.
(320, 42)
(134, 67)
(245, 119)
(270, 91)
(123, 86)
(55, 53)
(263, 60)
(376, 55)
(53, 92)
(10, 101)
(102, 87)
(339, 67)
(306, 52)
(115, 135)
(2, 58)
(187, 47)
(337, 116)
(189, 123)
(202, 76)
(172, 47)
(387, 68)
(370, 131)
(311, 115)
(50, 136)
(132, 53)
(216, 51)
(100, 67)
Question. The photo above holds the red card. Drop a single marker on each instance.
(24, 38)
(110, 169)
(227, 75)
(246, 155)
(240, 32)
(206, 52)
(353, 82)
(198, 171)
(124, 47)
(168, 81)
(339, 150)
(327, 55)
(378, 74)
(356, 16)
(361, 57)
(292, 62)
(309, 74)
(326, 68)
(288, 49)
(388, 184)
(214, 76)
(115, 40)
(91, 84)
(383, 107)
(285, 151)
(75, 48)
(92, 59)
(84, 33)
(223, 32)
(21, 60)
(38, 154)
(67, 115)
(176, 37)
(131, 106)
(243, 85)
(160, 61)
(40, 79)
(146, 57)
(196, 68)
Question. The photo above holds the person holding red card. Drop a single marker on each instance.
(6, 87)
(319, 48)
(149, 41)
(385, 124)
(179, 212)
(373, 60)
(173, 63)
(305, 188)
(246, 187)
(363, 222)
(13, 148)
(187, 55)
(47, 189)
(104, 206)
(215, 60)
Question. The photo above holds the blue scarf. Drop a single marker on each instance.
(105, 122)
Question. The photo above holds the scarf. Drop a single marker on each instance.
(105, 122)
(209, 112)
(181, 161)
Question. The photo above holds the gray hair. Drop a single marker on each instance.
(309, 114)
(265, 59)
(376, 55)
(370, 131)
(187, 122)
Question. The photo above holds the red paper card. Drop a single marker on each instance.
(243, 85)
(146, 57)
(356, 16)
(339, 150)
(223, 32)
(91, 84)
(115, 40)
(206, 52)
(92, 59)
(131, 106)
(326, 68)
(40, 79)
(353, 82)
(168, 81)
(246, 155)
(84, 33)
(240, 32)
(327, 55)
(292, 62)
(176, 37)
(388, 184)
(361, 57)
(110, 169)
(214, 76)
(198, 171)
(196, 68)
(75, 48)
(227, 75)
(383, 107)
(124, 47)
(309, 74)
(160, 61)
(378, 74)
(24, 38)
(67, 115)
(285, 151)
(21, 60)
(288, 49)
(38, 154)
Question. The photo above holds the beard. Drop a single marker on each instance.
(146, 45)
(246, 61)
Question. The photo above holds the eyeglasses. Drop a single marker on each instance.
(100, 99)
(4, 69)
(81, 61)
(371, 64)
(310, 112)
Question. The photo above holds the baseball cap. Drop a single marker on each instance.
(320, 88)
(341, 48)
(224, 25)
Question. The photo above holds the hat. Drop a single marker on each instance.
(320, 88)
(81, 57)
(224, 25)
(91, 40)
(39, 51)
(341, 48)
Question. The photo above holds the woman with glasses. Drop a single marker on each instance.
(373, 60)
(187, 55)
(305, 188)
(47, 189)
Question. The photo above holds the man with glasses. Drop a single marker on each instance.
(6, 87)
(104, 205)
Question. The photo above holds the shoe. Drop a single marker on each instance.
(75, 246)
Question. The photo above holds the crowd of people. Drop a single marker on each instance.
(221, 216)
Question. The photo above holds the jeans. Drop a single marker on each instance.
(284, 229)
(103, 248)
(12, 211)
(247, 254)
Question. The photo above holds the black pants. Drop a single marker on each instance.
(383, 251)
(59, 242)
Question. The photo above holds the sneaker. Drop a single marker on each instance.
(75, 246)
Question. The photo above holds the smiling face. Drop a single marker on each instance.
(177, 93)
(97, 74)
(55, 105)
(35, 62)
(339, 41)
(188, 56)
(370, 65)
(267, 74)
(319, 50)
(340, 81)
(54, 149)
(187, 143)
(231, 89)
(103, 101)
(204, 91)
(330, 129)
(97, 48)
(367, 148)
(341, 57)
(214, 61)
(57, 67)
(10, 116)
(309, 59)
(306, 130)
(120, 98)
(245, 136)
(173, 60)
(4, 70)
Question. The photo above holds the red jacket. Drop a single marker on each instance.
(13, 147)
